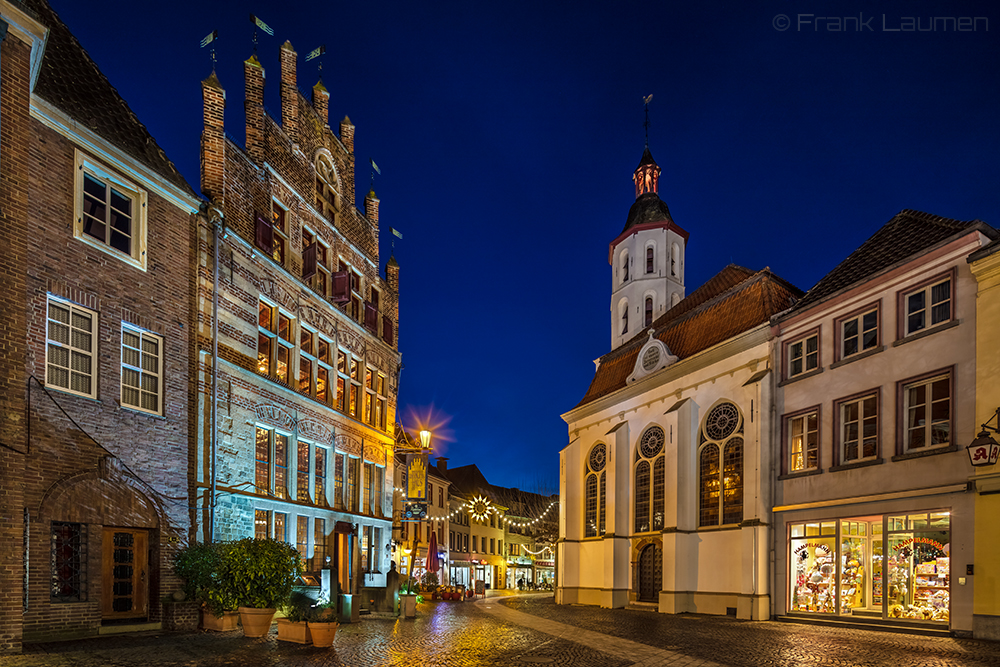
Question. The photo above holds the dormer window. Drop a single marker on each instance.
(327, 187)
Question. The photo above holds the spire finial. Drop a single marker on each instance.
(645, 102)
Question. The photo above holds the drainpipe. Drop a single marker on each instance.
(3, 36)
(216, 219)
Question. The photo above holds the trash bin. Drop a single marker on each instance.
(408, 602)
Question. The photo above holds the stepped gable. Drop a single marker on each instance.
(907, 234)
(69, 80)
(733, 301)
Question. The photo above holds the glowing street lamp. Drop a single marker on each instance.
(425, 439)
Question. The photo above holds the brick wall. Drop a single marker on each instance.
(14, 137)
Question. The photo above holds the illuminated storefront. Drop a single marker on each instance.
(893, 566)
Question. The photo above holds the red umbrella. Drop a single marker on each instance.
(432, 553)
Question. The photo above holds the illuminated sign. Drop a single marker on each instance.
(416, 477)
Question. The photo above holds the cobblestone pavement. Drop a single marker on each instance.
(763, 643)
(528, 630)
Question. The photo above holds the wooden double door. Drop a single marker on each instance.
(125, 572)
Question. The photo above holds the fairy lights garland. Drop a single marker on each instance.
(480, 507)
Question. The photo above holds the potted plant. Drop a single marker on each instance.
(260, 575)
(294, 627)
(322, 621)
(198, 565)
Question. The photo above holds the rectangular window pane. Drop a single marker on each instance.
(261, 524)
(68, 562)
(280, 465)
(262, 476)
(302, 473)
(320, 476)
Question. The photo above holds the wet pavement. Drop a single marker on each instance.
(529, 630)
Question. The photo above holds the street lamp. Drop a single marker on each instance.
(985, 450)
(425, 439)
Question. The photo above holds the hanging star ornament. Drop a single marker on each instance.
(480, 508)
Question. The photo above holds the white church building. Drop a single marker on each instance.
(665, 477)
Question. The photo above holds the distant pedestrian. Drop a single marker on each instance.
(520, 584)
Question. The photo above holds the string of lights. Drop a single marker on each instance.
(480, 508)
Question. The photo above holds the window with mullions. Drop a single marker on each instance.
(594, 509)
(859, 333)
(316, 270)
(649, 259)
(353, 473)
(802, 356)
(71, 348)
(110, 212)
(274, 342)
(69, 562)
(720, 467)
(142, 360)
(354, 391)
(271, 464)
(302, 472)
(319, 475)
(327, 199)
(324, 369)
(375, 400)
(858, 428)
(366, 491)
(803, 442)
(927, 413)
(928, 306)
(307, 360)
(343, 380)
(649, 480)
(279, 226)
(302, 537)
(338, 480)
(318, 561)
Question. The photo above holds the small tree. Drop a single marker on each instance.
(198, 564)
(260, 573)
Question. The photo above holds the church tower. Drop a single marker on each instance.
(647, 258)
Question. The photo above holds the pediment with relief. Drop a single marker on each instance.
(654, 356)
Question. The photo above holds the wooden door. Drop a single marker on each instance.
(650, 573)
(125, 573)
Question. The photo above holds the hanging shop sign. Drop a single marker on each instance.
(416, 477)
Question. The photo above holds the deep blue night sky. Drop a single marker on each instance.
(507, 133)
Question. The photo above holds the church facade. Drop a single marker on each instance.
(666, 473)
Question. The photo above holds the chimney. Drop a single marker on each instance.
(371, 208)
(347, 134)
(253, 74)
(442, 464)
(213, 138)
(321, 102)
(289, 93)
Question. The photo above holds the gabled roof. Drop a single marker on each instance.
(733, 301)
(69, 80)
(469, 480)
(908, 234)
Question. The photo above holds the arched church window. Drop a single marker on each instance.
(649, 311)
(650, 487)
(649, 259)
(675, 299)
(675, 260)
(594, 510)
(625, 319)
(625, 267)
(327, 187)
(720, 467)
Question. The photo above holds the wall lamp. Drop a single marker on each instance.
(984, 450)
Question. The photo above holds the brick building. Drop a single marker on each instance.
(95, 345)
(302, 396)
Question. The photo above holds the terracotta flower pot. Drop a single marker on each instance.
(256, 622)
(323, 633)
(291, 631)
(224, 623)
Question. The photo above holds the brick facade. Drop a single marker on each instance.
(70, 459)
(277, 173)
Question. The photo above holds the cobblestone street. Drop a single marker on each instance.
(530, 630)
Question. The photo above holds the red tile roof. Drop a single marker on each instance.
(733, 301)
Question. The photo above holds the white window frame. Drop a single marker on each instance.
(862, 416)
(928, 307)
(803, 341)
(803, 451)
(143, 372)
(72, 349)
(87, 165)
(928, 425)
(859, 319)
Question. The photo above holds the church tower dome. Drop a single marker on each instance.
(647, 258)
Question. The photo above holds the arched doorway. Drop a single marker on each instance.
(650, 573)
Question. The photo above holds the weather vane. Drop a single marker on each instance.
(210, 39)
(375, 170)
(316, 53)
(257, 23)
(645, 102)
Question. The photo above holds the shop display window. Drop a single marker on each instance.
(894, 566)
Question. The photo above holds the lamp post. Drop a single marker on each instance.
(985, 450)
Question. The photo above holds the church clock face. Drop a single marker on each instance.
(650, 358)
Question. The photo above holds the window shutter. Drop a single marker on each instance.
(265, 234)
(309, 261)
(387, 329)
(371, 317)
(341, 292)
